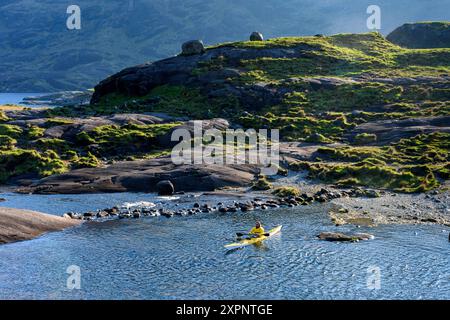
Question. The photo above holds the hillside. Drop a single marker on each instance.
(422, 35)
(38, 53)
(386, 107)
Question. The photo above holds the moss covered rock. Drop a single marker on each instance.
(365, 138)
(262, 184)
(29, 162)
(6, 142)
(317, 138)
(286, 191)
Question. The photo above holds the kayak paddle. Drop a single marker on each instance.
(239, 234)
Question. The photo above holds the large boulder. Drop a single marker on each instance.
(192, 47)
(422, 35)
(256, 36)
(165, 188)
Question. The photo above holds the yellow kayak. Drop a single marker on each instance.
(247, 242)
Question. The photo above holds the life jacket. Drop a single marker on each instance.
(258, 231)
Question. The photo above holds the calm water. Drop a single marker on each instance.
(184, 258)
(17, 98)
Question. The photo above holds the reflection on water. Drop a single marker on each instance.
(184, 258)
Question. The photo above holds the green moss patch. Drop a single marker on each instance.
(7, 143)
(262, 184)
(10, 130)
(423, 149)
(29, 162)
(410, 165)
(3, 117)
(34, 132)
(51, 122)
(299, 127)
(57, 145)
(113, 140)
(284, 192)
(365, 138)
(50, 155)
(406, 179)
(88, 161)
(179, 100)
(318, 138)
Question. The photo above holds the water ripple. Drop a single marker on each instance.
(184, 258)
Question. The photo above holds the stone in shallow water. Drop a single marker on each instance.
(102, 214)
(89, 214)
(336, 236)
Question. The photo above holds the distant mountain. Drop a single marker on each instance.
(39, 54)
(422, 35)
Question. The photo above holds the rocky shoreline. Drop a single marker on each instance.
(353, 206)
(64, 98)
(360, 207)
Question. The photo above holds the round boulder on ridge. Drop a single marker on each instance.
(256, 36)
(192, 47)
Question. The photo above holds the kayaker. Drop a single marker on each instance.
(257, 230)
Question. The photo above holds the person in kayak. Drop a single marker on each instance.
(257, 230)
